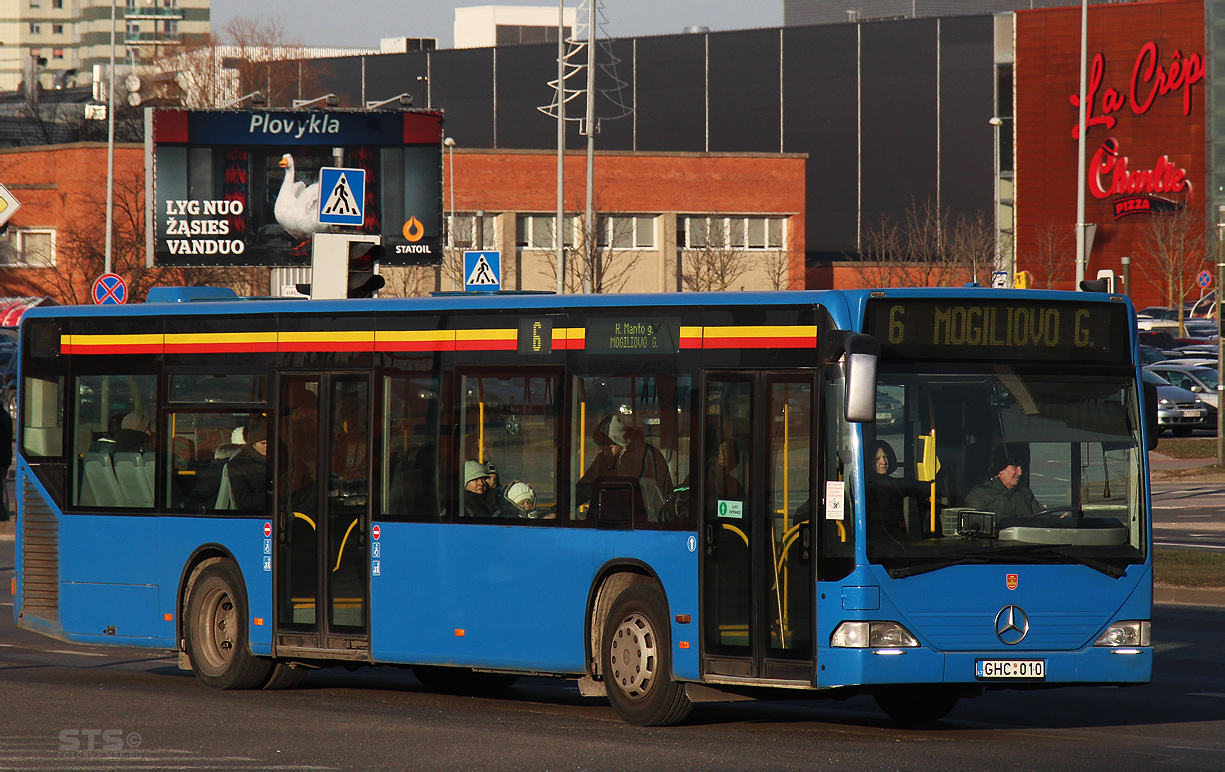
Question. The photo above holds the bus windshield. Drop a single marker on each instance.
(1004, 463)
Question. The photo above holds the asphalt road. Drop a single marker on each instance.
(1189, 514)
(75, 707)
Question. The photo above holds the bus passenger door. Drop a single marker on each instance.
(323, 501)
(758, 457)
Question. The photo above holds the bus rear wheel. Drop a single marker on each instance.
(917, 704)
(636, 660)
(216, 631)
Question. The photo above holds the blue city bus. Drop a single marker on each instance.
(695, 494)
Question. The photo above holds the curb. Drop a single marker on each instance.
(1188, 596)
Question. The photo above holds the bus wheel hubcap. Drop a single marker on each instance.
(633, 656)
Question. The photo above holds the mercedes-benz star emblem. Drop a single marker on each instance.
(1011, 625)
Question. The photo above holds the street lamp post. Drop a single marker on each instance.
(449, 144)
(1220, 365)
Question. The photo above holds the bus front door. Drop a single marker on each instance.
(323, 500)
(759, 452)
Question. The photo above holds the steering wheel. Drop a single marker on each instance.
(1053, 512)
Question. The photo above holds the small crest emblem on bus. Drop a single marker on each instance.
(1012, 581)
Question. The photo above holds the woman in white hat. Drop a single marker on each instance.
(476, 481)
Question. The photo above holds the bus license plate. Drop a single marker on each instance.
(1027, 669)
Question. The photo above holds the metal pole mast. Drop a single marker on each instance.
(1081, 256)
(589, 226)
(561, 147)
(110, 152)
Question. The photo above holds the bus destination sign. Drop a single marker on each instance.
(917, 328)
(633, 336)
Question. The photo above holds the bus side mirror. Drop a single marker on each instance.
(861, 355)
(1150, 414)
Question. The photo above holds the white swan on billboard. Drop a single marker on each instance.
(297, 204)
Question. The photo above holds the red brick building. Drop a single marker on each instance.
(653, 209)
(1145, 144)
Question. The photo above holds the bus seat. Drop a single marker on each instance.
(134, 484)
(149, 467)
(100, 476)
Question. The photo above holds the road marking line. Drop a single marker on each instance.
(77, 653)
(1184, 544)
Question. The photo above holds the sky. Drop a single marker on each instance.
(360, 23)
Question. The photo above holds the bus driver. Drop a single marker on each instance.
(1004, 494)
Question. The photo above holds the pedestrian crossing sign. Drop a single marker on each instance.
(342, 196)
(482, 271)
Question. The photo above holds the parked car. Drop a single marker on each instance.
(1150, 355)
(1178, 410)
(1198, 380)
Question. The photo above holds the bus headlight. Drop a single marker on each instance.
(1136, 632)
(872, 635)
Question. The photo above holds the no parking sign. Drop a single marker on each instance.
(110, 288)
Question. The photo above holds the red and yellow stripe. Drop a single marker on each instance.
(492, 339)
(755, 336)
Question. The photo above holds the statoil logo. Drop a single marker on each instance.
(413, 229)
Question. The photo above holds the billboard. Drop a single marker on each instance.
(243, 187)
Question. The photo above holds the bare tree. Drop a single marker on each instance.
(909, 254)
(777, 264)
(710, 263)
(250, 54)
(1054, 252)
(603, 258)
(1176, 246)
(970, 249)
(406, 281)
(81, 252)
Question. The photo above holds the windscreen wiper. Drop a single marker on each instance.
(1114, 572)
(926, 568)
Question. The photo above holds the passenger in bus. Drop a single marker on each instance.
(721, 483)
(885, 496)
(476, 480)
(208, 480)
(491, 481)
(249, 472)
(625, 455)
(1004, 494)
(520, 501)
(133, 435)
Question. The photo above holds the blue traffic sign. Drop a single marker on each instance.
(110, 288)
(482, 271)
(342, 196)
(1204, 279)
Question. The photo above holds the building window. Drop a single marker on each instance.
(57, 29)
(35, 29)
(28, 248)
(57, 53)
(36, 4)
(732, 232)
(535, 231)
(57, 3)
(172, 27)
(627, 231)
(467, 231)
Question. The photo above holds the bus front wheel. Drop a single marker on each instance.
(636, 660)
(916, 704)
(216, 631)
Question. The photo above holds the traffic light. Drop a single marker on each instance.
(343, 265)
(363, 261)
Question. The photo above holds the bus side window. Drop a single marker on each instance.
(42, 434)
(409, 458)
(630, 445)
(115, 430)
(510, 421)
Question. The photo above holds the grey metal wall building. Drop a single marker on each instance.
(890, 112)
(799, 12)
